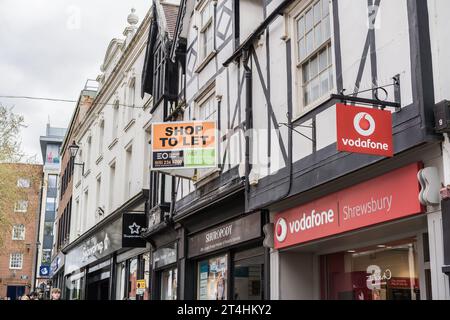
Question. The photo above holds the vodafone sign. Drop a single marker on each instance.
(364, 130)
(391, 196)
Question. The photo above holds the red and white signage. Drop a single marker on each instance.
(364, 130)
(388, 197)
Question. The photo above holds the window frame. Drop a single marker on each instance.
(294, 16)
(16, 207)
(21, 185)
(202, 29)
(15, 254)
(21, 236)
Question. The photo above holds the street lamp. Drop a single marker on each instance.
(73, 149)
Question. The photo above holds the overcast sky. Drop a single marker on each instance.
(49, 48)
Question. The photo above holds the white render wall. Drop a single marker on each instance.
(129, 134)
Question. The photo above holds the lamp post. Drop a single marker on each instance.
(73, 148)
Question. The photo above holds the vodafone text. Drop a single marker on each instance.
(314, 219)
(366, 144)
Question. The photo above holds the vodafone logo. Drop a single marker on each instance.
(364, 130)
(364, 124)
(281, 230)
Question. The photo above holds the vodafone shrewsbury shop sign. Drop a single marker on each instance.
(364, 130)
(391, 196)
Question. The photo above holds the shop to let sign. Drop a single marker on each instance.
(184, 145)
(364, 130)
(385, 198)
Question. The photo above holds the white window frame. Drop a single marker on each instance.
(18, 208)
(200, 104)
(203, 27)
(16, 261)
(18, 232)
(294, 15)
(23, 183)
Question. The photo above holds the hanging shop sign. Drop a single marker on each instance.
(225, 235)
(364, 130)
(44, 271)
(184, 145)
(101, 244)
(132, 225)
(388, 197)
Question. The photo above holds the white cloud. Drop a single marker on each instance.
(49, 48)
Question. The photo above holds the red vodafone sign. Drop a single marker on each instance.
(391, 196)
(364, 130)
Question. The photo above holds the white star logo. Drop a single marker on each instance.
(134, 228)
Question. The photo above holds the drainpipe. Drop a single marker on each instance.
(248, 122)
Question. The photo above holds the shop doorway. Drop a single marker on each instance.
(14, 292)
(98, 290)
(248, 277)
(388, 271)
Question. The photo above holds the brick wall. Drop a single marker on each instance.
(27, 247)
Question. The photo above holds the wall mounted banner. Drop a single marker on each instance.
(184, 145)
(389, 197)
(132, 225)
(364, 130)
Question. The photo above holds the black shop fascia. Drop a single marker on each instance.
(224, 257)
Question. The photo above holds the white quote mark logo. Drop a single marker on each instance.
(281, 230)
(364, 124)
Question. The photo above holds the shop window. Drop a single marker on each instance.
(75, 286)
(212, 278)
(248, 275)
(169, 284)
(132, 278)
(146, 264)
(384, 272)
(120, 283)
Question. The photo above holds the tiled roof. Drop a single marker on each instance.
(170, 13)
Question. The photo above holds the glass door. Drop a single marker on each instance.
(248, 275)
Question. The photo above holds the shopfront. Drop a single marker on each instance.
(88, 267)
(166, 272)
(57, 271)
(227, 261)
(101, 268)
(365, 242)
(133, 275)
